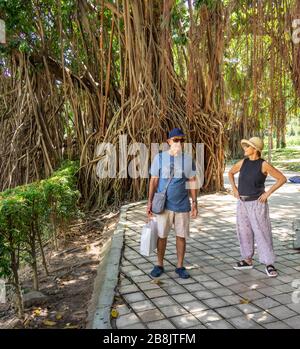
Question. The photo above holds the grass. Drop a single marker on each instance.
(286, 158)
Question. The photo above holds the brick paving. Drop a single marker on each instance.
(216, 295)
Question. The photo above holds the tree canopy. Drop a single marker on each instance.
(76, 73)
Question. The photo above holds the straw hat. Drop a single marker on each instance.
(254, 142)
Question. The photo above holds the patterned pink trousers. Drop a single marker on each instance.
(253, 222)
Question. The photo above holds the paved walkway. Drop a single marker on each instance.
(216, 295)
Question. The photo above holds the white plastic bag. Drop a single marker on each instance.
(149, 238)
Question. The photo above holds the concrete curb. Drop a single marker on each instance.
(296, 227)
(108, 273)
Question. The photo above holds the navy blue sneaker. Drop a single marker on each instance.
(157, 271)
(183, 274)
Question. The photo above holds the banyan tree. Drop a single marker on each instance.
(77, 73)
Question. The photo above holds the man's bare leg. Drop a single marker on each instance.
(161, 249)
(180, 246)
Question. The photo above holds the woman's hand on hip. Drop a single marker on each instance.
(236, 193)
(263, 198)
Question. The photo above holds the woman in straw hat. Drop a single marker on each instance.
(253, 220)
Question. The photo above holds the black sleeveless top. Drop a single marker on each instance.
(251, 178)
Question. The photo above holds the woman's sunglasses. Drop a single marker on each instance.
(176, 140)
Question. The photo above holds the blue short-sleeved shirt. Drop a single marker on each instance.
(177, 199)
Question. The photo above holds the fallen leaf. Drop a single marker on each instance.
(244, 301)
(49, 323)
(114, 313)
(68, 325)
(58, 316)
(157, 282)
(37, 312)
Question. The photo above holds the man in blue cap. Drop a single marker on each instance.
(177, 207)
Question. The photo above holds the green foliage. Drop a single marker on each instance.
(26, 211)
(61, 194)
(19, 23)
(13, 211)
(286, 158)
(211, 4)
(5, 270)
(180, 19)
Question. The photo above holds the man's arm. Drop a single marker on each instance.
(153, 183)
(152, 189)
(192, 188)
(193, 194)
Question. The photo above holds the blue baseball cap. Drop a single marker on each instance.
(176, 132)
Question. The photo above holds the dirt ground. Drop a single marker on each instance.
(69, 286)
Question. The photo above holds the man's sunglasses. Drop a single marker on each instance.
(176, 140)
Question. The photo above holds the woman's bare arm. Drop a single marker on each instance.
(268, 169)
(234, 170)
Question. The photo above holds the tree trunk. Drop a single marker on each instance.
(16, 283)
(39, 237)
(35, 278)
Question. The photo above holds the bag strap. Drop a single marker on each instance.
(171, 174)
(169, 180)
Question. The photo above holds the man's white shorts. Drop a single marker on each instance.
(180, 220)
